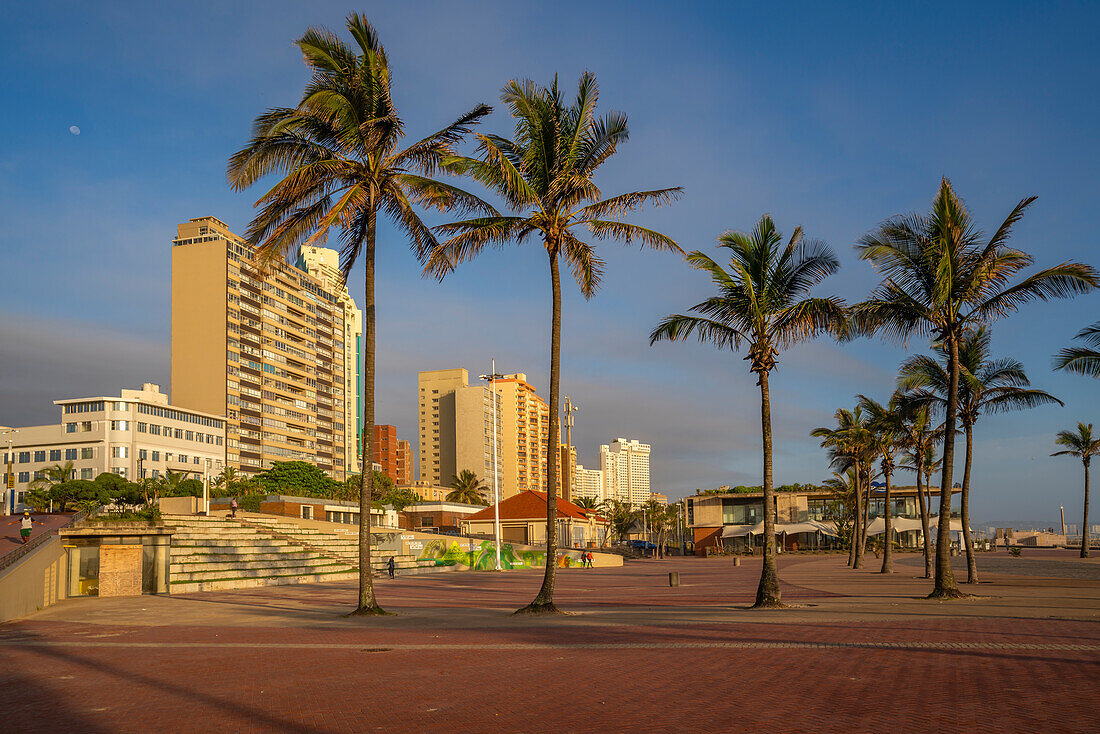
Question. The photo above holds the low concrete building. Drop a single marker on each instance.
(317, 508)
(437, 517)
(523, 520)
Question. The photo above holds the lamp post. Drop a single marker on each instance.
(492, 377)
(206, 488)
(8, 496)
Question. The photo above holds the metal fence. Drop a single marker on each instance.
(25, 550)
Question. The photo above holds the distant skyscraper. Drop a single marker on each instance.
(276, 354)
(625, 467)
(456, 427)
(588, 483)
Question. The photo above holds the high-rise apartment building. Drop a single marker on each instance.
(456, 427)
(392, 454)
(567, 472)
(625, 467)
(525, 419)
(275, 352)
(587, 483)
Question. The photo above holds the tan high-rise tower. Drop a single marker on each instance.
(275, 353)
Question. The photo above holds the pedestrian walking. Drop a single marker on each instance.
(588, 559)
(233, 506)
(25, 524)
(392, 566)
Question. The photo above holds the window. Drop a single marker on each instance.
(307, 512)
(24, 476)
(183, 458)
(70, 428)
(179, 433)
(55, 454)
(121, 407)
(167, 456)
(156, 457)
(87, 453)
(189, 435)
(143, 427)
(120, 470)
(24, 457)
(39, 456)
(86, 473)
(142, 454)
(120, 452)
(427, 521)
(154, 429)
(70, 454)
(120, 425)
(156, 474)
(200, 437)
(85, 426)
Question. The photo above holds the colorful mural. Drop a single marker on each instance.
(483, 558)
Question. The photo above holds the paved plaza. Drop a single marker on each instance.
(856, 652)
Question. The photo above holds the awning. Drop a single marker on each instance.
(810, 526)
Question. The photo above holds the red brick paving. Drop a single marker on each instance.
(357, 676)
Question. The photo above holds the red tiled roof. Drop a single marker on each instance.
(529, 505)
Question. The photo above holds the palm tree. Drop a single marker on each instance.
(339, 157)
(586, 503)
(1084, 446)
(545, 175)
(1082, 360)
(762, 301)
(51, 476)
(842, 509)
(852, 447)
(467, 488)
(985, 386)
(887, 435)
(939, 279)
(919, 445)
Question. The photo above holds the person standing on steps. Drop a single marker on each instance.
(233, 506)
(392, 566)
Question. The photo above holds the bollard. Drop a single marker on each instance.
(737, 560)
(673, 578)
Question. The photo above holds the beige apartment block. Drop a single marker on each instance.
(274, 351)
(625, 466)
(456, 427)
(568, 472)
(525, 420)
(136, 434)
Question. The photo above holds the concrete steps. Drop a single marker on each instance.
(211, 553)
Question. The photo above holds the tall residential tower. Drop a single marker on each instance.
(275, 352)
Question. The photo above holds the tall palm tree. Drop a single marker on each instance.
(1082, 360)
(887, 436)
(852, 447)
(841, 510)
(939, 279)
(1084, 446)
(339, 157)
(545, 176)
(761, 301)
(919, 446)
(467, 487)
(985, 386)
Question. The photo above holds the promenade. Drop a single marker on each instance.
(857, 652)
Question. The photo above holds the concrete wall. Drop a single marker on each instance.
(179, 505)
(34, 582)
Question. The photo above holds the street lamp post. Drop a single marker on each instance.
(492, 377)
(206, 488)
(8, 496)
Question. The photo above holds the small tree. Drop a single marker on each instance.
(468, 488)
(1084, 445)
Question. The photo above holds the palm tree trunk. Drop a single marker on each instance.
(1085, 520)
(544, 600)
(922, 501)
(945, 587)
(887, 542)
(964, 512)
(767, 593)
(367, 602)
(857, 521)
(865, 520)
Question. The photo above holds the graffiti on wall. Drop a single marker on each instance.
(483, 558)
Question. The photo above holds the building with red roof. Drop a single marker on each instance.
(523, 520)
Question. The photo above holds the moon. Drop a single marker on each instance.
(74, 129)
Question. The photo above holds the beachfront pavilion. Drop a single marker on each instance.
(734, 521)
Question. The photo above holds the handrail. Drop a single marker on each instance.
(24, 550)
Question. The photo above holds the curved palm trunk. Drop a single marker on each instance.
(945, 587)
(921, 500)
(865, 520)
(887, 542)
(367, 602)
(767, 593)
(1085, 521)
(544, 600)
(964, 511)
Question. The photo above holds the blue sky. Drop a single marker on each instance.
(825, 117)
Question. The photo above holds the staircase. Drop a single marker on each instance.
(210, 553)
(339, 544)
